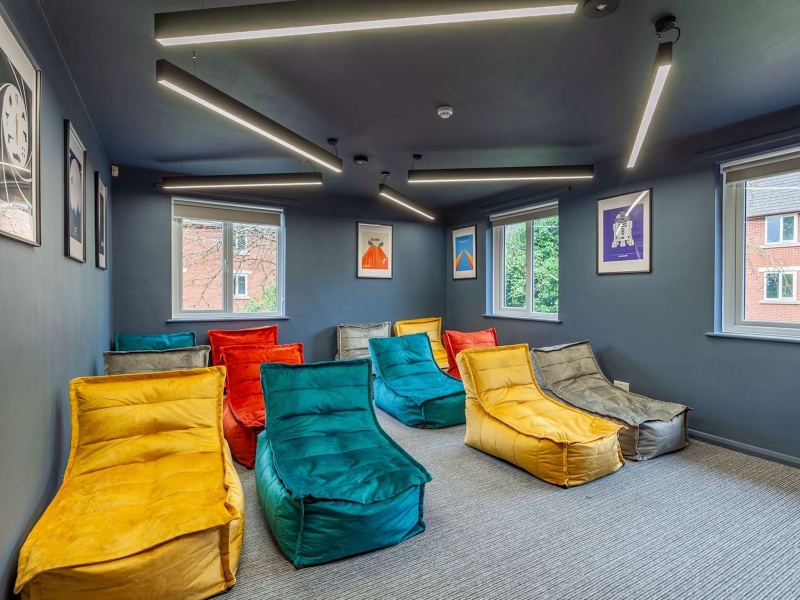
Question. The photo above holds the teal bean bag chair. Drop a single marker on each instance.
(331, 482)
(411, 387)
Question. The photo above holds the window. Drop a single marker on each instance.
(227, 260)
(240, 286)
(780, 229)
(760, 253)
(525, 262)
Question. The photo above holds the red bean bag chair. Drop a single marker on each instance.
(219, 338)
(455, 341)
(243, 409)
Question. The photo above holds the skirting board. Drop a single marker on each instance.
(785, 459)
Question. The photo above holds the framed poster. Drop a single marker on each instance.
(465, 260)
(374, 251)
(624, 229)
(101, 218)
(74, 194)
(20, 93)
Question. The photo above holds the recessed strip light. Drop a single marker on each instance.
(242, 181)
(404, 201)
(507, 174)
(308, 17)
(661, 70)
(197, 90)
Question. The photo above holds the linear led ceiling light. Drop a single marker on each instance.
(197, 90)
(230, 182)
(307, 17)
(507, 174)
(658, 80)
(404, 201)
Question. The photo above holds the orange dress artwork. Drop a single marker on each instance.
(375, 258)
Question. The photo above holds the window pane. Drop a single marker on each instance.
(773, 230)
(514, 266)
(770, 206)
(788, 286)
(788, 229)
(545, 265)
(258, 257)
(772, 285)
(202, 265)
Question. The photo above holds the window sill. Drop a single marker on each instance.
(779, 302)
(754, 337)
(213, 319)
(779, 245)
(514, 318)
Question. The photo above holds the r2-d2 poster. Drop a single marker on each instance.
(624, 233)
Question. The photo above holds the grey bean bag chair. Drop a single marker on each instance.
(570, 373)
(152, 361)
(353, 340)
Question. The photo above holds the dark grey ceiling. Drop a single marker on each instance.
(527, 92)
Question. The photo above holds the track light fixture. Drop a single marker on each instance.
(307, 17)
(403, 200)
(230, 182)
(197, 90)
(658, 79)
(507, 174)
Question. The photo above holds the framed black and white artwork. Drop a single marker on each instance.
(75, 195)
(20, 94)
(101, 218)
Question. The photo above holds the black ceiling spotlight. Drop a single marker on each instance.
(360, 159)
(599, 8)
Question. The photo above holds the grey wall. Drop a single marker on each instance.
(56, 313)
(649, 329)
(321, 285)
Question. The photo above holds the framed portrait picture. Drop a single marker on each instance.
(75, 194)
(465, 259)
(101, 218)
(374, 251)
(20, 93)
(624, 229)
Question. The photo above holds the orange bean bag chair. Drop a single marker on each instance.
(243, 410)
(455, 341)
(219, 338)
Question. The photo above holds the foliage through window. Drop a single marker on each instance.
(226, 268)
(526, 267)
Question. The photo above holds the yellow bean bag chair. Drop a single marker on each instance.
(150, 506)
(509, 417)
(433, 328)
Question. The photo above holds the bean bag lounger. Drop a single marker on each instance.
(652, 427)
(509, 417)
(331, 482)
(455, 341)
(411, 387)
(128, 342)
(151, 361)
(352, 341)
(151, 505)
(243, 416)
(219, 338)
(433, 328)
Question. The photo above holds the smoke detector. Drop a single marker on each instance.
(600, 8)
(445, 111)
(360, 159)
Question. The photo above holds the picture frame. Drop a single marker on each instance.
(624, 233)
(101, 222)
(20, 148)
(465, 252)
(74, 195)
(375, 251)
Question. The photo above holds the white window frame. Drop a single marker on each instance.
(246, 295)
(525, 215)
(229, 272)
(781, 273)
(781, 241)
(734, 181)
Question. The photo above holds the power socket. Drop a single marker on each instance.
(623, 385)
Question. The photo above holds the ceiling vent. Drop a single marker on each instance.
(599, 8)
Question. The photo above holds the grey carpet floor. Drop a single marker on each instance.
(704, 523)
